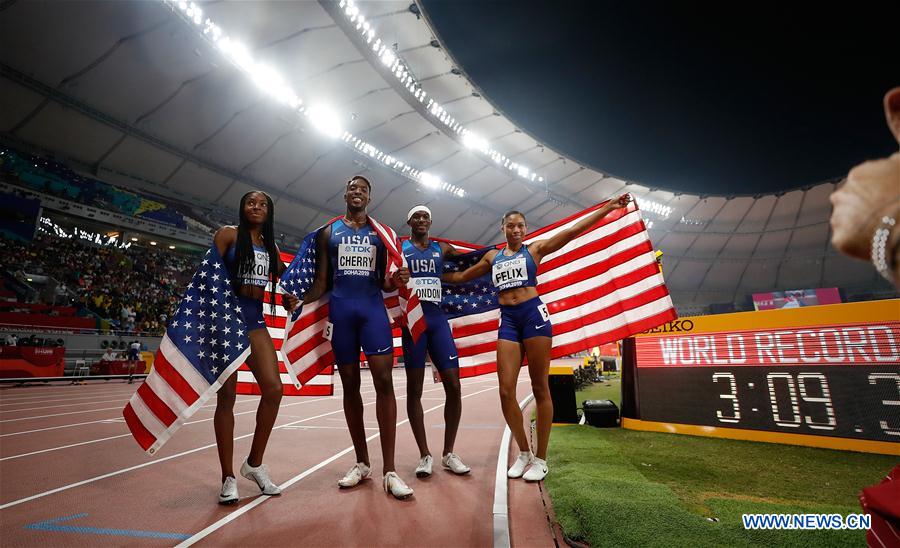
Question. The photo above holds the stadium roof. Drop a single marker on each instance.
(142, 96)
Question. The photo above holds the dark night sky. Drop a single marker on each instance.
(706, 97)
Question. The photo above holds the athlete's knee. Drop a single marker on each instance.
(352, 399)
(507, 392)
(350, 382)
(383, 382)
(225, 398)
(272, 391)
(541, 391)
(451, 387)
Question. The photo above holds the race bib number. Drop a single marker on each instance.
(329, 330)
(427, 289)
(544, 313)
(259, 274)
(511, 273)
(356, 259)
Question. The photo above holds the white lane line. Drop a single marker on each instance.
(64, 405)
(122, 395)
(261, 499)
(60, 414)
(304, 427)
(81, 390)
(501, 495)
(183, 453)
(63, 447)
(250, 399)
(129, 434)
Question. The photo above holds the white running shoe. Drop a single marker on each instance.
(356, 474)
(395, 486)
(518, 468)
(260, 475)
(453, 462)
(229, 494)
(423, 470)
(538, 470)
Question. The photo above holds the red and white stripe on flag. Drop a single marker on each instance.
(601, 287)
(321, 384)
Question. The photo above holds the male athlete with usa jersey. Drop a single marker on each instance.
(351, 258)
(425, 259)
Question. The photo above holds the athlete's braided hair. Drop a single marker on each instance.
(244, 255)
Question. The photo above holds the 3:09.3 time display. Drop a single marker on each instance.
(844, 401)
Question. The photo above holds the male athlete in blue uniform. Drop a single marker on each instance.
(352, 256)
(426, 264)
(525, 328)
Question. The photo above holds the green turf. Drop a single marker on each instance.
(608, 390)
(616, 487)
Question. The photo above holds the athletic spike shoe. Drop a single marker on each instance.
(260, 474)
(538, 470)
(518, 467)
(229, 493)
(395, 486)
(423, 470)
(356, 474)
(452, 462)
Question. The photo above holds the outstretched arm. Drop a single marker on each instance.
(478, 269)
(448, 250)
(561, 238)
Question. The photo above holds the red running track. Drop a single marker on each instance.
(70, 474)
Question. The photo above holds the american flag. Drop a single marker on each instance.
(205, 342)
(306, 349)
(601, 287)
(317, 385)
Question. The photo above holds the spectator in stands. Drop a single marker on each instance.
(108, 356)
(866, 213)
(145, 282)
(12, 339)
(134, 351)
(62, 295)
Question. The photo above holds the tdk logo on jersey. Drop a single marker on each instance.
(358, 248)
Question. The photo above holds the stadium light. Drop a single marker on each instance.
(321, 117)
(429, 180)
(475, 141)
(325, 120)
(403, 74)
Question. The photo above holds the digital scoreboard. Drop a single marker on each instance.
(824, 371)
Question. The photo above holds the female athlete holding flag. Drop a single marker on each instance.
(525, 328)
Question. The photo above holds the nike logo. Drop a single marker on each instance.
(540, 326)
(453, 357)
(385, 349)
(339, 232)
